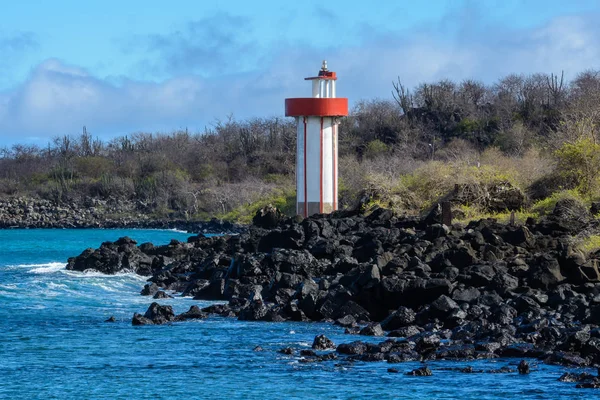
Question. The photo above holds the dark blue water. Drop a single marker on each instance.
(55, 345)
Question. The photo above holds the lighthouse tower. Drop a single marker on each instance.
(317, 118)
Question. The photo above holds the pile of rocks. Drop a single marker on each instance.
(480, 291)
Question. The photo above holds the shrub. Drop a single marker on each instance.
(284, 199)
(93, 166)
(466, 214)
(590, 244)
(546, 206)
(581, 161)
(375, 148)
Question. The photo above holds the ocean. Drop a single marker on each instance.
(55, 343)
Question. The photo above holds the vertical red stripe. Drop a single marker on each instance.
(321, 172)
(334, 169)
(305, 184)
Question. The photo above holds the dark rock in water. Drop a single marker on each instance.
(139, 319)
(352, 348)
(571, 377)
(503, 370)
(470, 370)
(258, 348)
(286, 350)
(423, 371)
(307, 353)
(220, 309)
(113, 257)
(371, 357)
(322, 342)
(111, 319)
(256, 311)
(591, 384)
(161, 295)
(193, 313)
(403, 356)
(456, 351)
(372, 330)
(393, 370)
(523, 367)
(159, 314)
(328, 357)
(150, 289)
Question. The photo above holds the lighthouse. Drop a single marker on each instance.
(317, 120)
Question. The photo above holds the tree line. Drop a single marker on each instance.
(235, 163)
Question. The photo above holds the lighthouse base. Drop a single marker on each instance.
(313, 207)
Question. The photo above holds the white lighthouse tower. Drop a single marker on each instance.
(317, 144)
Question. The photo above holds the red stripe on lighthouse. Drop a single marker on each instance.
(305, 184)
(321, 172)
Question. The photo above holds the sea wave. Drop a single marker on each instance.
(96, 274)
(45, 268)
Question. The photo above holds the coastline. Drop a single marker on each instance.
(32, 213)
(486, 290)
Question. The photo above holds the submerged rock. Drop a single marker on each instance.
(322, 342)
(423, 371)
(524, 367)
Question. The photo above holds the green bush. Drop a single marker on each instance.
(581, 162)
(284, 199)
(590, 244)
(546, 206)
(375, 148)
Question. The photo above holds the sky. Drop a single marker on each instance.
(119, 67)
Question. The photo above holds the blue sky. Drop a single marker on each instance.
(120, 67)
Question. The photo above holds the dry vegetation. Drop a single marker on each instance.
(538, 134)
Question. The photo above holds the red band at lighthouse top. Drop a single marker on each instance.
(319, 107)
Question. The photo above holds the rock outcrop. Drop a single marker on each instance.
(447, 292)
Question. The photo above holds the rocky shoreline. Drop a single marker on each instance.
(482, 291)
(23, 212)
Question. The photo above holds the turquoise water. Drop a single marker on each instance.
(56, 345)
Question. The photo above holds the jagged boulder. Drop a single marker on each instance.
(322, 342)
(155, 315)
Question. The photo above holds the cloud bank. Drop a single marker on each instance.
(212, 72)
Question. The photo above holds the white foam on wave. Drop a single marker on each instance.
(95, 274)
(178, 231)
(52, 285)
(46, 268)
(9, 286)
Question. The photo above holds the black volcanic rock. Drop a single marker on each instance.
(322, 342)
(480, 291)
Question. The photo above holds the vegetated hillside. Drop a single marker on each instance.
(519, 144)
